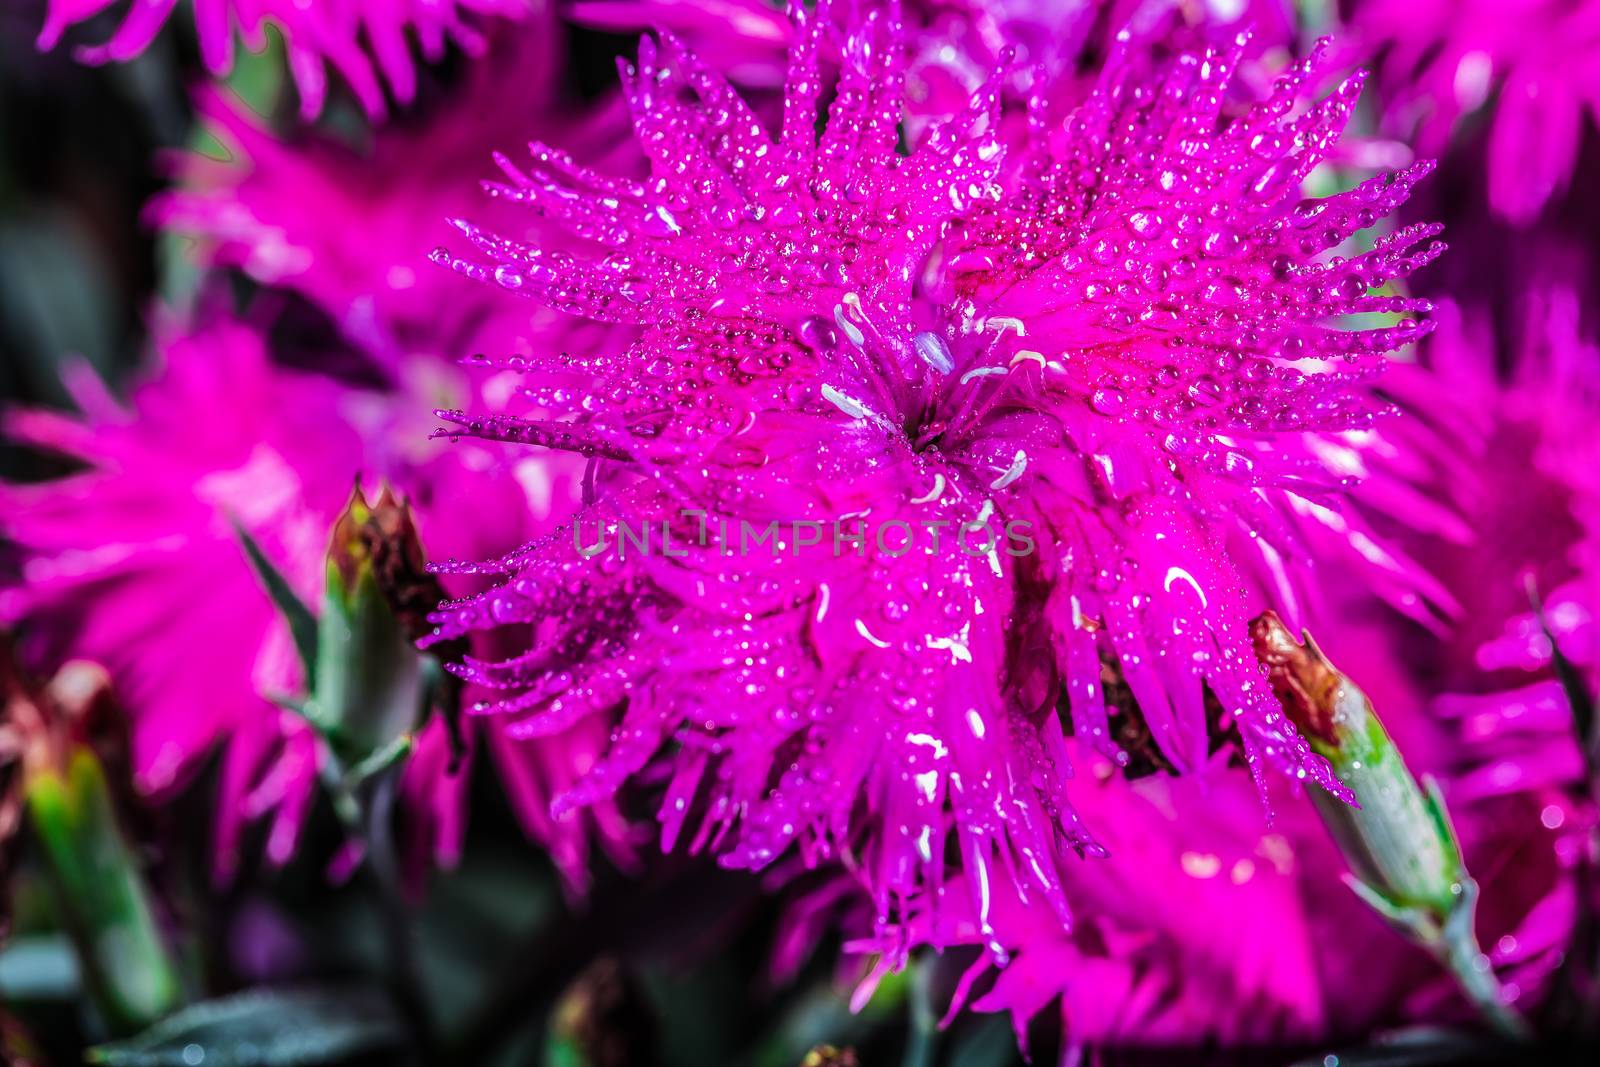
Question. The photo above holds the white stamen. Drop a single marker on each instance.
(844, 403)
(933, 494)
(1013, 472)
(861, 628)
(934, 352)
(850, 329)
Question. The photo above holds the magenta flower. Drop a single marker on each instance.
(365, 41)
(283, 211)
(959, 41)
(749, 38)
(1099, 371)
(133, 563)
(1238, 963)
(1535, 498)
(952, 45)
(1269, 947)
(1538, 455)
(1530, 62)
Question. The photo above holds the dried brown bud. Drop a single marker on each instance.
(383, 537)
(40, 724)
(1305, 682)
(17, 1046)
(606, 1019)
(55, 779)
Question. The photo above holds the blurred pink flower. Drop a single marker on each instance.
(132, 562)
(1194, 929)
(1532, 63)
(1534, 497)
(748, 38)
(350, 228)
(952, 45)
(365, 41)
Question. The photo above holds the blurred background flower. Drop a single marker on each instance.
(366, 41)
(1526, 72)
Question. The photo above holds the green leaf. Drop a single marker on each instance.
(39, 967)
(988, 1042)
(922, 1030)
(263, 1028)
(1415, 1047)
(302, 623)
(52, 273)
(258, 77)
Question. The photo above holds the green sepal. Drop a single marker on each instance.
(101, 894)
(346, 805)
(370, 688)
(1433, 800)
(383, 759)
(294, 704)
(1405, 858)
(1415, 922)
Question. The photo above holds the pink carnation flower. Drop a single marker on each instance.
(1109, 362)
(749, 38)
(284, 210)
(1530, 62)
(365, 41)
(133, 563)
(1535, 498)
(1514, 458)
(1236, 963)
(951, 46)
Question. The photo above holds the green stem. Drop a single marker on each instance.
(923, 1024)
(406, 973)
(1457, 949)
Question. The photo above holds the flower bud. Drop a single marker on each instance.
(17, 1046)
(382, 538)
(57, 785)
(1404, 857)
(1398, 841)
(370, 690)
(602, 1020)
